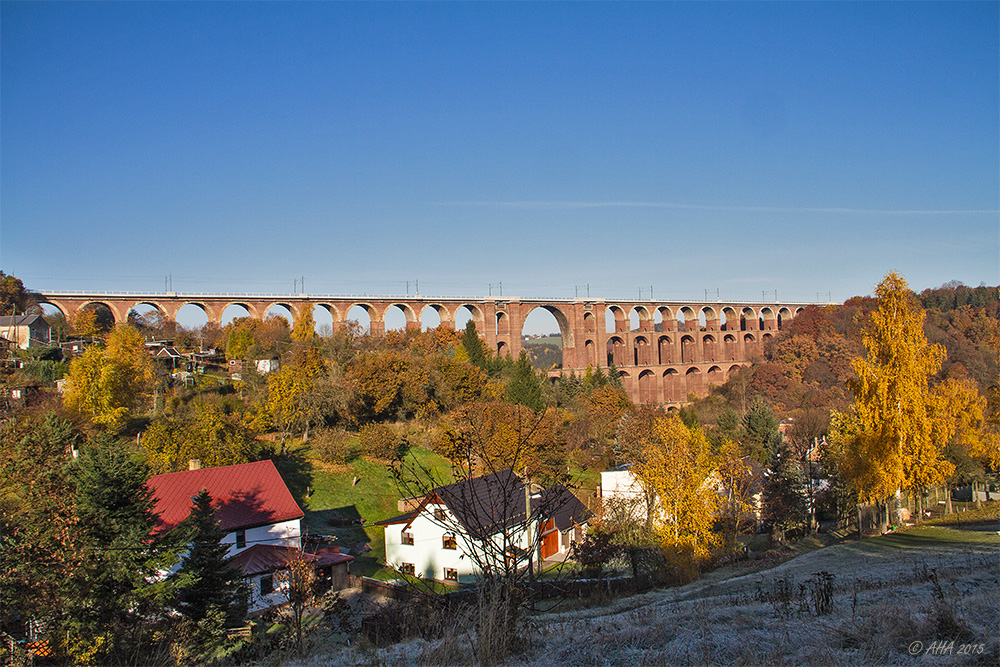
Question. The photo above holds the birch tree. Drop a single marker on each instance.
(888, 440)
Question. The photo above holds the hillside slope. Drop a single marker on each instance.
(889, 599)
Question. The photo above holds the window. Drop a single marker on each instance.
(408, 538)
(407, 568)
(266, 584)
(241, 539)
(439, 514)
(449, 541)
(451, 574)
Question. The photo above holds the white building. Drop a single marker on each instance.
(457, 530)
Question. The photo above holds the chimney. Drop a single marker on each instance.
(194, 464)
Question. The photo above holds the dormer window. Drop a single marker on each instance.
(439, 514)
(241, 539)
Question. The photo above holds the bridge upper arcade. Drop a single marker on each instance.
(682, 346)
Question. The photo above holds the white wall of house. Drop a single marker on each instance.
(428, 556)
(260, 600)
(285, 533)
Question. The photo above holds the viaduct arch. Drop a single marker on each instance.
(677, 348)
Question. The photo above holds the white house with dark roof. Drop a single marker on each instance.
(456, 528)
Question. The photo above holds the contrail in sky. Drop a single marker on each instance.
(702, 207)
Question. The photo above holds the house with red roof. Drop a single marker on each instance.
(261, 519)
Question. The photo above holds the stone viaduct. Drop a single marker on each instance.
(677, 348)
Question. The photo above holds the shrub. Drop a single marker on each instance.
(379, 441)
(332, 446)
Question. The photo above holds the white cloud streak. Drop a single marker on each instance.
(552, 205)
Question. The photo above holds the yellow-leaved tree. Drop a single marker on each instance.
(675, 465)
(886, 443)
(110, 383)
(959, 419)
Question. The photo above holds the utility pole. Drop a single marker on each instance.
(527, 524)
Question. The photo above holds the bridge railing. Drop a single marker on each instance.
(399, 297)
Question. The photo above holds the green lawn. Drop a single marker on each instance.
(363, 489)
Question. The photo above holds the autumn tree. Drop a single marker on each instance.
(674, 466)
(887, 443)
(959, 422)
(305, 325)
(289, 389)
(205, 431)
(13, 298)
(385, 384)
(297, 583)
(110, 383)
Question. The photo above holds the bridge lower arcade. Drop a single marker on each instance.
(677, 348)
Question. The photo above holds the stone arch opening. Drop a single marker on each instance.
(729, 342)
(430, 317)
(667, 320)
(104, 313)
(688, 350)
(361, 315)
(502, 324)
(693, 382)
(590, 351)
(784, 315)
(233, 311)
(729, 320)
(647, 387)
(541, 320)
(323, 314)
(282, 310)
(671, 385)
(641, 351)
(708, 318)
(687, 319)
(616, 351)
(767, 319)
(615, 320)
(249, 310)
(468, 312)
(748, 319)
(400, 316)
(589, 323)
(715, 376)
(665, 350)
(626, 381)
(731, 373)
(502, 349)
(193, 315)
(148, 318)
(709, 346)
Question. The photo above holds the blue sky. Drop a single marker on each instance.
(803, 148)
